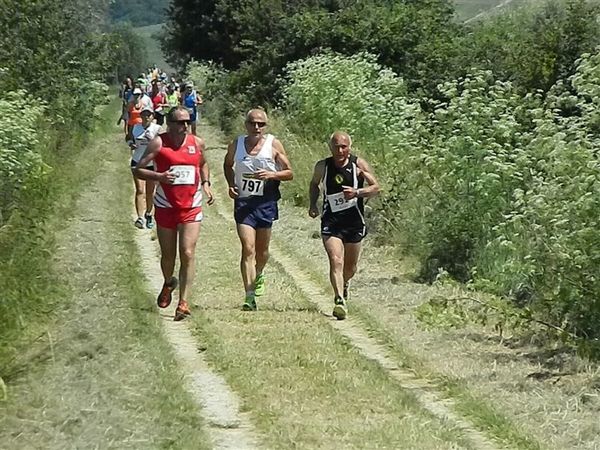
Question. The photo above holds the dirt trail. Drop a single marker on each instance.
(229, 429)
(423, 390)
(100, 376)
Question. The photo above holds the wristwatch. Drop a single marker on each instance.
(206, 181)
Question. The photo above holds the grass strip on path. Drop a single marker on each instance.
(304, 385)
(384, 328)
(102, 375)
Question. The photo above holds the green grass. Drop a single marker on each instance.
(484, 416)
(303, 384)
(100, 375)
(30, 293)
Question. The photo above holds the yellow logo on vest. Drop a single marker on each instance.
(339, 179)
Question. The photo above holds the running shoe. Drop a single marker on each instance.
(249, 303)
(346, 295)
(149, 221)
(182, 311)
(259, 285)
(139, 223)
(340, 310)
(165, 296)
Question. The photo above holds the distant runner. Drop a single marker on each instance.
(343, 228)
(183, 174)
(254, 166)
(190, 100)
(142, 134)
(159, 102)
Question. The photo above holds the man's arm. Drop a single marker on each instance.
(205, 173)
(228, 169)
(313, 190)
(367, 173)
(285, 173)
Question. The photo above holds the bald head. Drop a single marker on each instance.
(339, 137)
(256, 115)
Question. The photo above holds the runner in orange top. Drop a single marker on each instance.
(134, 113)
(184, 178)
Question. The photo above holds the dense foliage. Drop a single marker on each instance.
(55, 63)
(257, 39)
(491, 186)
(421, 41)
(492, 176)
(51, 72)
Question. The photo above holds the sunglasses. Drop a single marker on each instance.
(260, 124)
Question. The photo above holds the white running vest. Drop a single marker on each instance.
(142, 136)
(245, 165)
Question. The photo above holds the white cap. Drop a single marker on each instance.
(137, 91)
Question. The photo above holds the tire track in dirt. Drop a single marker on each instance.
(228, 427)
(423, 390)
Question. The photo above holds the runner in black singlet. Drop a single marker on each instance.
(343, 228)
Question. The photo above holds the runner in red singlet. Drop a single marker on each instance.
(184, 177)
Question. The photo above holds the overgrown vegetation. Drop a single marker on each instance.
(53, 75)
(485, 135)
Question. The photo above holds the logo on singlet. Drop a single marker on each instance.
(191, 149)
(339, 179)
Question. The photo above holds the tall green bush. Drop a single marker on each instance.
(548, 244)
(20, 158)
(492, 186)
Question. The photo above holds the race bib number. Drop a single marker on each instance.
(251, 186)
(338, 202)
(183, 174)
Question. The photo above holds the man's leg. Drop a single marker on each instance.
(167, 239)
(335, 252)
(150, 188)
(263, 239)
(247, 236)
(139, 200)
(188, 236)
(351, 255)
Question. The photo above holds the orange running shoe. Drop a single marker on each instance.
(182, 311)
(165, 296)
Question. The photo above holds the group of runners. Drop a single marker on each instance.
(177, 180)
(145, 104)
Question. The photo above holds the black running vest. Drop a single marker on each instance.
(348, 213)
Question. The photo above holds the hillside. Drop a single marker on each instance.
(138, 12)
(470, 9)
(155, 56)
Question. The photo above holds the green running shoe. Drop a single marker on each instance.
(340, 310)
(259, 285)
(249, 303)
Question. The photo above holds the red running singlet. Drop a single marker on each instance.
(184, 162)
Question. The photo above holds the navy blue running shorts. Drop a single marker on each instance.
(256, 214)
